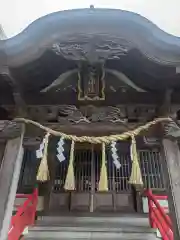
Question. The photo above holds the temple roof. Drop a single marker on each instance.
(127, 29)
(120, 40)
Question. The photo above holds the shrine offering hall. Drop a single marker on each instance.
(94, 95)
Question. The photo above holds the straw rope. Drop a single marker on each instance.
(136, 176)
(92, 139)
(103, 180)
(70, 178)
(43, 171)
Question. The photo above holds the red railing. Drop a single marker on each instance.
(25, 215)
(158, 218)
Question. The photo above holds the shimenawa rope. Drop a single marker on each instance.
(135, 178)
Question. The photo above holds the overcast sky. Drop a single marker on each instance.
(15, 15)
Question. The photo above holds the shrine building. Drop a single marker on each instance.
(89, 116)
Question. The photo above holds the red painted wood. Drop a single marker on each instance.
(157, 217)
(22, 195)
(24, 217)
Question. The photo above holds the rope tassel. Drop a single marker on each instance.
(70, 178)
(103, 181)
(43, 171)
(136, 177)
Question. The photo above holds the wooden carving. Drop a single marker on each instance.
(106, 114)
(89, 113)
(87, 47)
(91, 82)
(9, 129)
(71, 114)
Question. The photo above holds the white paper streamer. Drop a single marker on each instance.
(60, 150)
(39, 152)
(61, 157)
(114, 155)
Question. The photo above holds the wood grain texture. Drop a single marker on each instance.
(9, 176)
(172, 172)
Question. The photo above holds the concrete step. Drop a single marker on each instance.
(92, 228)
(127, 227)
(72, 221)
(89, 235)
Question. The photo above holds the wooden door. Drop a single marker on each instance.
(120, 195)
(87, 170)
(86, 196)
(80, 199)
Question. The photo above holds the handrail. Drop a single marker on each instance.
(25, 215)
(157, 216)
(22, 195)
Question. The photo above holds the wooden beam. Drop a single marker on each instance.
(15, 89)
(91, 129)
(165, 107)
(10, 129)
(112, 98)
(9, 176)
(171, 171)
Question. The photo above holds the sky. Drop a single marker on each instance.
(15, 15)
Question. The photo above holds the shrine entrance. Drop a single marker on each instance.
(86, 196)
(121, 196)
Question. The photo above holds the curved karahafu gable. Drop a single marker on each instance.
(92, 34)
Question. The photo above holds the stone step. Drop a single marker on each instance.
(89, 235)
(92, 228)
(134, 224)
(121, 220)
(126, 227)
